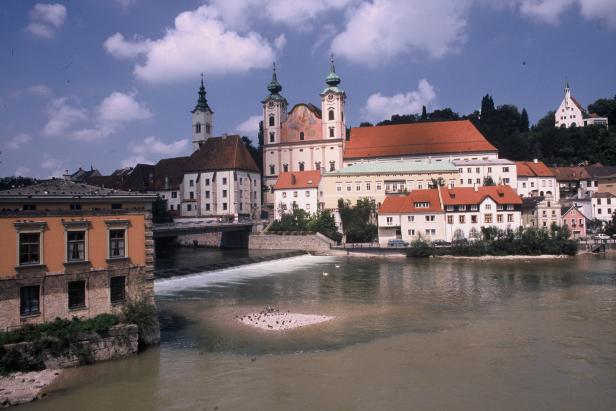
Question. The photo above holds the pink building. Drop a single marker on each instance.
(576, 221)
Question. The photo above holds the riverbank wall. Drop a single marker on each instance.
(315, 243)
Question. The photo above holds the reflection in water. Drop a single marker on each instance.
(430, 334)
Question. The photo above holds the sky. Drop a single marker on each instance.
(111, 83)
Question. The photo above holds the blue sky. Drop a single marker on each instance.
(110, 83)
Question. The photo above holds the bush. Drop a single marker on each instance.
(142, 313)
(420, 249)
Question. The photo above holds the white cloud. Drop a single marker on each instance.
(45, 19)
(125, 3)
(151, 149)
(52, 167)
(67, 118)
(120, 107)
(300, 16)
(198, 42)
(548, 11)
(39, 90)
(379, 107)
(380, 30)
(22, 172)
(250, 126)
(63, 114)
(602, 10)
(17, 141)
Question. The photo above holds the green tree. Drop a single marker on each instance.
(424, 114)
(487, 105)
(488, 181)
(357, 221)
(159, 211)
(524, 124)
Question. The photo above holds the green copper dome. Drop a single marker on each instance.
(332, 78)
(274, 86)
(202, 101)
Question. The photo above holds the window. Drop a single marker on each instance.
(224, 206)
(348, 187)
(478, 181)
(489, 169)
(330, 115)
(191, 195)
(301, 166)
(410, 218)
(505, 169)
(461, 219)
(224, 193)
(76, 294)
(506, 180)
(357, 186)
(429, 218)
(331, 132)
(390, 220)
(198, 128)
(449, 219)
(208, 128)
(207, 207)
(378, 186)
(224, 181)
(188, 207)
(499, 218)
(207, 181)
(477, 170)
(117, 289)
(470, 181)
(29, 303)
(301, 135)
(272, 137)
(421, 205)
(523, 185)
(29, 248)
(207, 194)
(272, 121)
(75, 246)
(307, 193)
(449, 208)
(317, 165)
(474, 207)
(487, 218)
(469, 170)
(307, 207)
(411, 231)
(75, 206)
(463, 208)
(117, 243)
(510, 218)
(285, 168)
(473, 219)
(499, 207)
(295, 194)
(332, 166)
(338, 188)
(191, 183)
(367, 186)
(430, 231)
(272, 169)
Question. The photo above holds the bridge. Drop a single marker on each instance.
(177, 228)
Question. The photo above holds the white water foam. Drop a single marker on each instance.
(235, 275)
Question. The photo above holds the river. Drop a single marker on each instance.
(408, 334)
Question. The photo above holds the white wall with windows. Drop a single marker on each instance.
(473, 173)
(286, 200)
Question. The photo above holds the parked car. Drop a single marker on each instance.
(394, 242)
(441, 243)
(601, 237)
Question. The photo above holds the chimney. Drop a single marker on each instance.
(535, 160)
(476, 188)
(293, 179)
(66, 175)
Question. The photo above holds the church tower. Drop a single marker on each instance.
(274, 111)
(202, 119)
(332, 106)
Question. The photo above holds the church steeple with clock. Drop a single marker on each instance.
(332, 105)
(274, 111)
(202, 119)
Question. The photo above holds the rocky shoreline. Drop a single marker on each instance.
(23, 387)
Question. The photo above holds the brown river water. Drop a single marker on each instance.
(437, 334)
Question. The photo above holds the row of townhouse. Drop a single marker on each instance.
(448, 214)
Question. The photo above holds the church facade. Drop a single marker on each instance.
(570, 113)
(306, 137)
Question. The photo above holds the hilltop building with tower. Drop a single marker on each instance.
(570, 113)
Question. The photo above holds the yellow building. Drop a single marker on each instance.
(377, 179)
(69, 249)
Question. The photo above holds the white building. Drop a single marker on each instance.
(298, 190)
(474, 172)
(306, 138)
(535, 179)
(449, 213)
(603, 206)
(571, 113)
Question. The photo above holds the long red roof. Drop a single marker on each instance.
(438, 137)
(532, 169)
(298, 179)
(502, 194)
(394, 204)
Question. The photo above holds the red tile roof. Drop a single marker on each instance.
(532, 169)
(396, 204)
(298, 179)
(502, 194)
(438, 137)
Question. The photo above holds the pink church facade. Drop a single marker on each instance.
(575, 221)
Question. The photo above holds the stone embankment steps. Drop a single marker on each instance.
(173, 272)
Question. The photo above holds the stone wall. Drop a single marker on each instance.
(316, 243)
(200, 239)
(119, 341)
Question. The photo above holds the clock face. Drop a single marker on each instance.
(271, 104)
(330, 97)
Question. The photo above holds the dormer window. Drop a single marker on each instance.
(198, 128)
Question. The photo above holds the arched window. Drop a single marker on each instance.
(285, 168)
(198, 128)
(317, 165)
(301, 135)
(301, 166)
(208, 128)
(271, 121)
(272, 169)
(331, 115)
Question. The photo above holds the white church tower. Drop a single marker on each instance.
(332, 106)
(274, 112)
(202, 119)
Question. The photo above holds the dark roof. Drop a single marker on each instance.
(604, 194)
(533, 169)
(598, 171)
(222, 153)
(570, 173)
(437, 137)
(82, 175)
(168, 172)
(61, 188)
